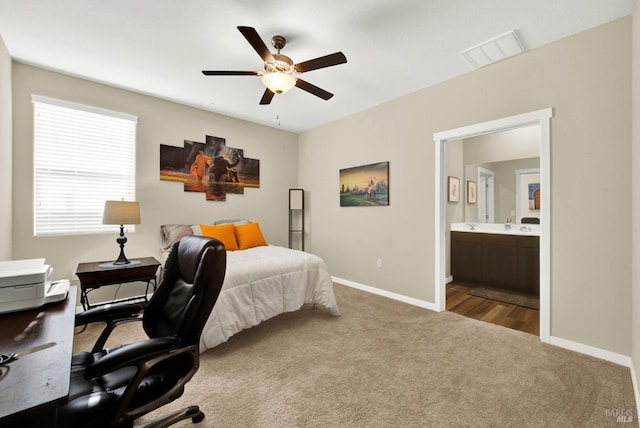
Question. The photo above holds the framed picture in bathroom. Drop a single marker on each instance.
(472, 192)
(534, 196)
(454, 189)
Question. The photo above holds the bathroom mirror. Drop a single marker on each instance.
(503, 191)
(505, 167)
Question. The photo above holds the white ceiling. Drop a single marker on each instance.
(393, 47)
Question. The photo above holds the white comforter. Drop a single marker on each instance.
(263, 282)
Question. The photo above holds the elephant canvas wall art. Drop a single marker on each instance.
(211, 168)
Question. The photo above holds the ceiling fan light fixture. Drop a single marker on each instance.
(279, 83)
(280, 71)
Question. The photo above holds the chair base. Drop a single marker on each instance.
(169, 419)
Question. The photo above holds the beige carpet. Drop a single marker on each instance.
(390, 364)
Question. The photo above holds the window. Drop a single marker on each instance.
(83, 156)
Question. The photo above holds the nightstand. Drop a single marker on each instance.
(99, 274)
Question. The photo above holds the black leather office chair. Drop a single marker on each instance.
(113, 387)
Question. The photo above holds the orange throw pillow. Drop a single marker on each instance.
(249, 236)
(224, 233)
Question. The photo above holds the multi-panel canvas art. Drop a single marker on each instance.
(211, 168)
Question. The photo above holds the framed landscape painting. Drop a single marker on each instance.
(365, 186)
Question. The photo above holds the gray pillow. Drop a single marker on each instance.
(171, 233)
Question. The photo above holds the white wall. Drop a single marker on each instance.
(161, 202)
(587, 80)
(5, 154)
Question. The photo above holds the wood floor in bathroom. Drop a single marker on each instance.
(504, 314)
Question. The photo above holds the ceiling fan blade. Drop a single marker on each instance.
(321, 62)
(256, 42)
(266, 97)
(229, 73)
(312, 89)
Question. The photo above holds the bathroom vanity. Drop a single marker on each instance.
(496, 255)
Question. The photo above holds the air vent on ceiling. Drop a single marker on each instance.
(493, 50)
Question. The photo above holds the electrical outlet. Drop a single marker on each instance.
(379, 263)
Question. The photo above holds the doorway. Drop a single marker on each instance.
(541, 118)
(486, 195)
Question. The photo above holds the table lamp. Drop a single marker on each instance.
(121, 212)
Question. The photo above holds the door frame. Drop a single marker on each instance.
(487, 178)
(538, 117)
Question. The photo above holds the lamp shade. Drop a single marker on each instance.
(121, 212)
(278, 83)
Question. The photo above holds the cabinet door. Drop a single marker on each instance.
(529, 264)
(466, 256)
(500, 261)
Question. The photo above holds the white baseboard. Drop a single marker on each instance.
(623, 360)
(635, 387)
(384, 293)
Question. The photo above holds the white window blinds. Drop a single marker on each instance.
(82, 156)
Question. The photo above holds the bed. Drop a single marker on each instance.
(261, 282)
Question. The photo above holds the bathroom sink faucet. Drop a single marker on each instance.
(507, 225)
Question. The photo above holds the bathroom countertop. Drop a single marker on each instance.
(498, 228)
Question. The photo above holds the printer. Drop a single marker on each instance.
(26, 284)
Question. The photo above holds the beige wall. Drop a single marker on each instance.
(636, 191)
(454, 211)
(517, 143)
(587, 80)
(159, 122)
(454, 167)
(5, 153)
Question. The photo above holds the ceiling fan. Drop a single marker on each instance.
(280, 70)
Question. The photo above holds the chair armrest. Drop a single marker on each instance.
(132, 355)
(112, 315)
(108, 313)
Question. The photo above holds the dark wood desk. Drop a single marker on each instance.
(37, 381)
(98, 274)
